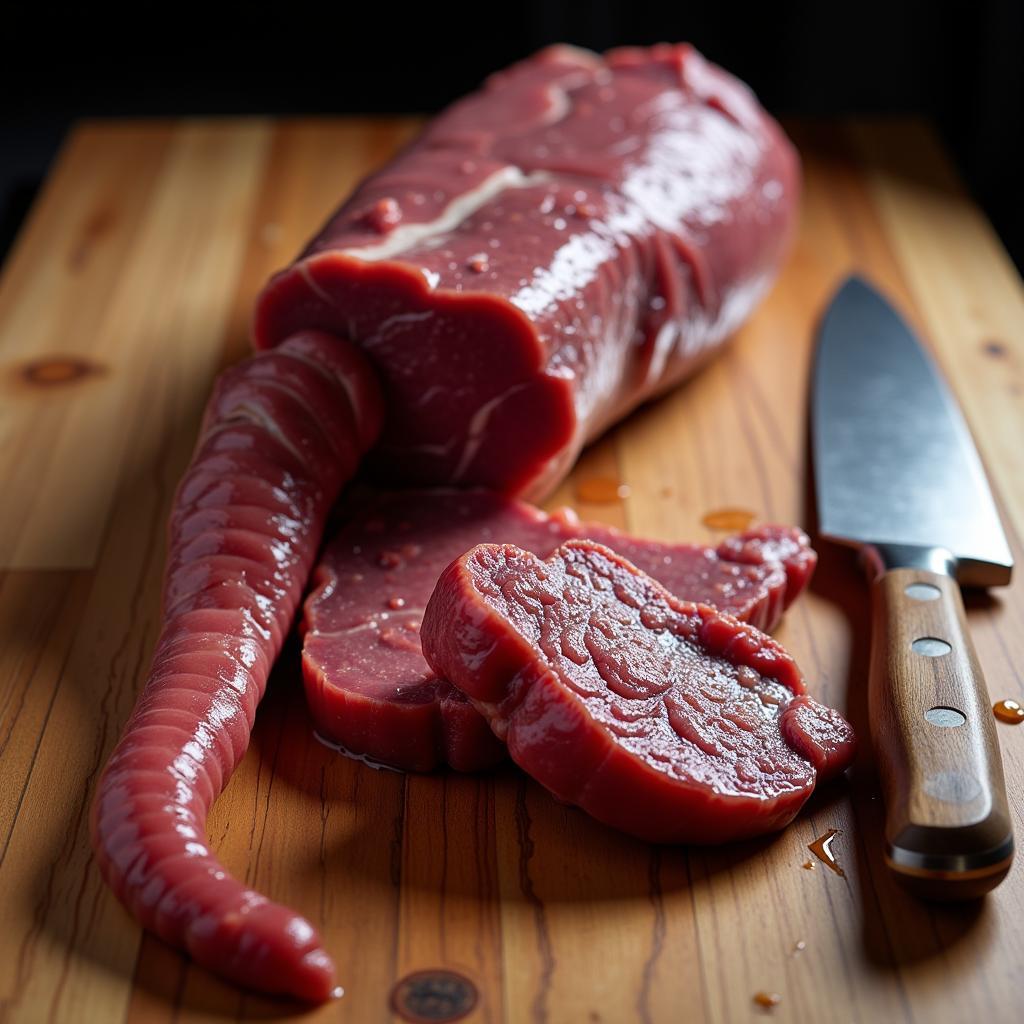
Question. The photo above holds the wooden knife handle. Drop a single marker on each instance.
(948, 831)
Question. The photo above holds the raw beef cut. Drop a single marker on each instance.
(670, 720)
(368, 686)
(564, 244)
(553, 250)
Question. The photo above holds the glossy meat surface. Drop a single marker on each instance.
(554, 249)
(669, 720)
(368, 686)
(283, 432)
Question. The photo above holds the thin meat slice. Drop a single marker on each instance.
(369, 687)
(670, 720)
(282, 434)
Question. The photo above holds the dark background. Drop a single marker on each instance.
(961, 64)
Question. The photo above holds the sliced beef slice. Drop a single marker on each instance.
(370, 689)
(670, 720)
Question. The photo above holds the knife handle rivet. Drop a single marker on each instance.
(947, 718)
(930, 646)
(922, 592)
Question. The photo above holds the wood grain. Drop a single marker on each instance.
(142, 259)
(116, 201)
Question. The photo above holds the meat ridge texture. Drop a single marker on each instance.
(670, 720)
(368, 686)
(568, 242)
(283, 432)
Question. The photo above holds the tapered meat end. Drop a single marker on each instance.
(283, 431)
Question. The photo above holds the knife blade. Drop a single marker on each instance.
(898, 476)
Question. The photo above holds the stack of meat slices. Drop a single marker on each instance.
(660, 696)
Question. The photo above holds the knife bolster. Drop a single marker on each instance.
(881, 558)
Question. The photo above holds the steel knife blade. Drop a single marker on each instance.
(894, 462)
(898, 475)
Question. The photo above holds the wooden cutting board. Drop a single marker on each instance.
(130, 287)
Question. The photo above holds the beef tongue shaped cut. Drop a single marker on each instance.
(369, 688)
(670, 720)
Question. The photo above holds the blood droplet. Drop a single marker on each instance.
(1008, 711)
(601, 490)
(732, 519)
(822, 849)
(58, 370)
(767, 1000)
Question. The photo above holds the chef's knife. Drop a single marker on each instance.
(897, 475)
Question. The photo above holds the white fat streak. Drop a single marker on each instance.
(383, 330)
(559, 105)
(405, 236)
(478, 427)
(374, 623)
(664, 344)
(319, 292)
(254, 414)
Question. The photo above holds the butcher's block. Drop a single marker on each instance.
(446, 895)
